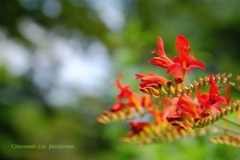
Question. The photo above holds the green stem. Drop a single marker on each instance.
(231, 121)
(227, 129)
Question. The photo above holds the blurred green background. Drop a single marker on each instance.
(58, 59)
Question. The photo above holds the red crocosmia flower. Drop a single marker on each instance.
(184, 61)
(186, 104)
(161, 58)
(124, 90)
(212, 99)
(151, 79)
(170, 107)
(126, 98)
(152, 83)
(137, 127)
(187, 113)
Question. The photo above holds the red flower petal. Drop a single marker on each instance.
(197, 64)
(204, 97)
(187, 105)
(213, 88)
(163, 62)
(139, 75)
(211, 79)
(161, 47)
(182, 46)
(177, 59)
(218, 108)
(119, 85)
(173, 68)
(192, 63)
(220, 100)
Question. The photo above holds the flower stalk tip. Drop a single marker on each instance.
(175, 110)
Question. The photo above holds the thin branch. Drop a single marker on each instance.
(227, 129)
(231, 121)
